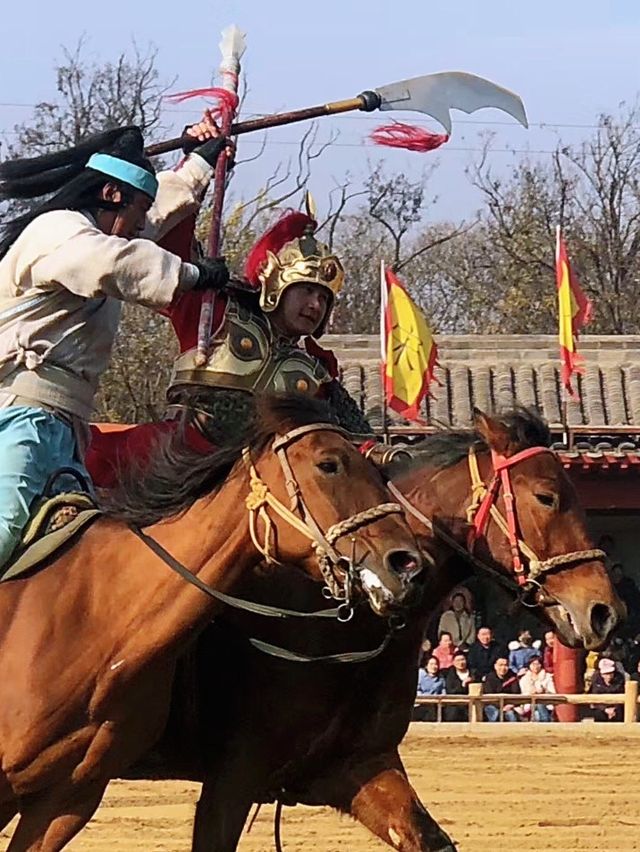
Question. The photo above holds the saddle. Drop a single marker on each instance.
(55, 520)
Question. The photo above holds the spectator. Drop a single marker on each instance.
(483, 653)
(627, 590)
(607, 681)
(537, 681)
(430, 682)
(458, 622)
(636, 675)
(443, 652)
(457, 682)
(629, 594)
(606, 543)
(547, 653)
(501, 679)
(521, 652)
(633, 654)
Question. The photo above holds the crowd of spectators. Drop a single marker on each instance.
(523, 667)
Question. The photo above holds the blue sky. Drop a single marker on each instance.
(568, 60)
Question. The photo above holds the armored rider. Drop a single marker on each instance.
(265, 334)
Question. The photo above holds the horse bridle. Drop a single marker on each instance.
(527, 567)
(329, 560)
(300, 517)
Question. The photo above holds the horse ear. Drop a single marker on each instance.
(494, 433)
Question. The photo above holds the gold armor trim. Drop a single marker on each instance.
(246, 357)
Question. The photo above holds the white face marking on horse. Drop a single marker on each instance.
(394, 837)
(116, 665)
(372, 583)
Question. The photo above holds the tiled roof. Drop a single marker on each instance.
(495, 371)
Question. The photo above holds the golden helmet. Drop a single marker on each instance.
(289, 253)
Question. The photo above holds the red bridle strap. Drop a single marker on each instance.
(501, 467)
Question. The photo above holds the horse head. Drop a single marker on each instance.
(501, 498)
(546, 543)
(316, 502)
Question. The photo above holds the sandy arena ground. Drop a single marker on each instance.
(539, 789)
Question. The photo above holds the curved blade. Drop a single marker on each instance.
(436, 94)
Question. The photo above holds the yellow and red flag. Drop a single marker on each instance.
(574, 311)
(408, 350)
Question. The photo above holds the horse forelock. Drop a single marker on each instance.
(175, 476)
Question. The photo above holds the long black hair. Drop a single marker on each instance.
(64, 173)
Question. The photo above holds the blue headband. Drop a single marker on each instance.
(127, 172)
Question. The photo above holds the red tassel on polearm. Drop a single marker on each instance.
(407, 136)
(226, 101)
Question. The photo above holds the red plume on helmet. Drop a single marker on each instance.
(290, 227)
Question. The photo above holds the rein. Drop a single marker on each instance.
(483, 508)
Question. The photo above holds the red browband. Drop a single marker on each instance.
(501, 466)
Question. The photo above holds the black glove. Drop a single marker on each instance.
(214, 274)
(209, 150)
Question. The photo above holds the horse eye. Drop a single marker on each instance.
(328, 466)
(548, 500)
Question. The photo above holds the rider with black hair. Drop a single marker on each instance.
(65, 268)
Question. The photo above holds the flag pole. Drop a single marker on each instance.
(564, 405)
(383, 350)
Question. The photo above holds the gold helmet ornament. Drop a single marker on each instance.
(289, 253)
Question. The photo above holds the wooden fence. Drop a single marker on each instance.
(475, 701)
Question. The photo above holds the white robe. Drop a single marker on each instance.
(62, 284)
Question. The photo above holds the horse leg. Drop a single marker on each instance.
(220, 817)
(49, 821)
(226, 797)
(378, 794)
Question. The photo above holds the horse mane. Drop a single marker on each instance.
(175, 476)
(526, 428)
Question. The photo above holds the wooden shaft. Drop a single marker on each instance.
(630, 702)
(475, 706)
(266, 122)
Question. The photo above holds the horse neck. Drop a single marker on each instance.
(212, 540)
(443, 495)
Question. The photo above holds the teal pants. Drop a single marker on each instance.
(34, 443)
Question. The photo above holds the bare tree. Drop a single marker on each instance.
(604, 211)
(92, 96)
(246, 218)
(593, 191)
(390, 226)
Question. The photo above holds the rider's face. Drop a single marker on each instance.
(128, 221)
(301, 310)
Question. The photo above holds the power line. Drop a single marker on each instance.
(541, 125)
(365, 144)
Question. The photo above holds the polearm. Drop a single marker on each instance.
(433, 94)
(232, 48)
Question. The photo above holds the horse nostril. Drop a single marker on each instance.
(603, 619)
(404, 561)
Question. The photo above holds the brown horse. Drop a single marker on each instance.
(329, 734)
(88, 645)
